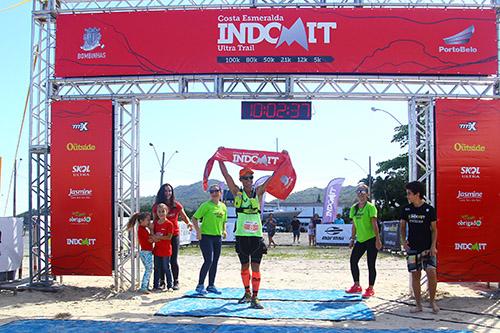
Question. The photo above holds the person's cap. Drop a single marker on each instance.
(214, 187)
(246, 171)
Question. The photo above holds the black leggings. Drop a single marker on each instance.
(356, 254)
(174, 264)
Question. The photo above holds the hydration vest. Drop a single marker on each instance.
(248, 222)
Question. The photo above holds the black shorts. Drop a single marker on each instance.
(250, 249)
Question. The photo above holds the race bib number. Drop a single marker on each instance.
(251, 227)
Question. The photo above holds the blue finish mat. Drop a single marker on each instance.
(285, 295)
(212, 307)
(91, 326)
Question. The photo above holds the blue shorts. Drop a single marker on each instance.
(296, 233)
(417, 261)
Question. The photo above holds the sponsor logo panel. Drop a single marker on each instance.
(82, 193)
(470, 246)
(81, 241)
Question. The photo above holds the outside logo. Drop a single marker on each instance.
(463, 37)
(468, 148)
(81, 241)
(82, 126)
(80, 218)
(79, 147)
(468, 221)
(470, 246)
(91, 39)
(80, 170)
(250, 32)
(263, 160)
(80, 193)
(469, 126)
(470, 172)
(469, 196)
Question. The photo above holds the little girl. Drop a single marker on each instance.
(163, 230)
(146, 243)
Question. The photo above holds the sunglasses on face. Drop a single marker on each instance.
(214, 191)
(361, 191)
(246, 178)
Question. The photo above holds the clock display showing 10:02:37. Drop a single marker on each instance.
(276, 110)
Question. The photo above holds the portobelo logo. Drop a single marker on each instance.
(91, 41)
(80, 170)
(255, 158)
(248, 31)
(80, 218)
(469, 196)
(468, 148)
(469, 126)
(460, 38)
(469, 222)
(470, 246)
(79, 147)
(81, 241)
(469, 172)
(80, 193)
(81, 126)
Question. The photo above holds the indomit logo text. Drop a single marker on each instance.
(264, 160)
(470, 246)
(81, 241)
(276, 33)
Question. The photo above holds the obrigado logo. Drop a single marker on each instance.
(469, 172)
(79, 193)
(468, 148)
(469, 196)
(79, 147)
(468, 221)
(80, 170)
(255, 158)
(249, 30)
(81, 241)
(470, 246)
(80, 218)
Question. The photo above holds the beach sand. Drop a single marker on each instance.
(463, 306)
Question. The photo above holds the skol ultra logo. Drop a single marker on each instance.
(469, 172)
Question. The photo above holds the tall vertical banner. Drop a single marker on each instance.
(81, 187)
(468, 189)
(331, 199)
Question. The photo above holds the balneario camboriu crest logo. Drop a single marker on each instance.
(91, 39)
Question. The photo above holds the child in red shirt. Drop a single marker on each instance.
(146, 243)
(163, 230)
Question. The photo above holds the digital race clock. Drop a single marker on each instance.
(276, 110)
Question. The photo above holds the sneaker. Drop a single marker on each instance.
(200, 289)
(143, 291)
(213, 290)
(176, 286)
(247, 298)
(255, 304)
(157, 290)
(356, 288)
(369, 292)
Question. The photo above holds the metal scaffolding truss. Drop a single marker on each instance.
(129, 5)
(421, 144)
(284, 86)
(127, 92)
(126, 192)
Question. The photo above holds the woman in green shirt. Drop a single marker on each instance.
(365, 238)
(214, 215)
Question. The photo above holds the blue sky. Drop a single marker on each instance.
(196, 128)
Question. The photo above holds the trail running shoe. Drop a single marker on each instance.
(213, 290)
(255, 303)
(247, 298)
(369, 292)
(355, 289)
(200, 289)
(176, 286)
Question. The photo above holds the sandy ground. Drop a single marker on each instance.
(464, 306)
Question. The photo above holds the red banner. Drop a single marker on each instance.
(81, 187)
(285, 40)
(468, 189)
(284, 178)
